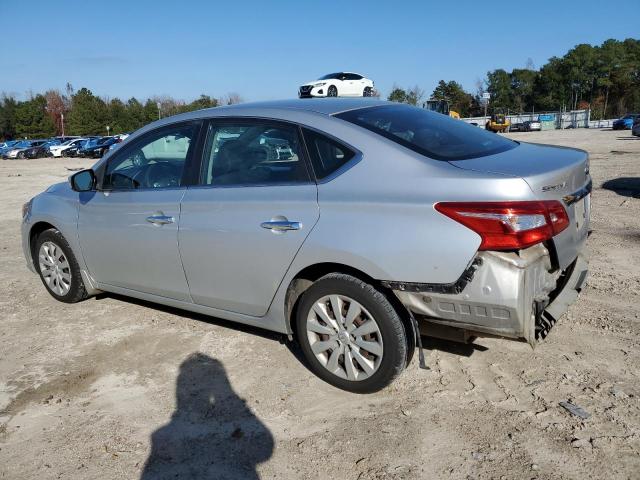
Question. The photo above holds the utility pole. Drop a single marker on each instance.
(62, 121)
(158, 110)
(108, 128)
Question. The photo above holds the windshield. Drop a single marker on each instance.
(330, 76)
(432, 134)
(23, 143)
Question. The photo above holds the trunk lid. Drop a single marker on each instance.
(552, 173)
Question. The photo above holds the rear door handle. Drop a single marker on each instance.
(281, 225)
(160, 219)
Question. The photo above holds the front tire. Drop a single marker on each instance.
(58, 268)
(350, 334)
(332, 91)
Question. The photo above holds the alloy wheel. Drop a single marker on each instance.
(54, 268)
(344, 337)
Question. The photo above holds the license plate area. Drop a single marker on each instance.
(581, 212)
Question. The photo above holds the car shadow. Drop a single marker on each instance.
(428, 343)
(449, 346)
(624, 186)
(212, 433)
(261, 332)
(628, 138)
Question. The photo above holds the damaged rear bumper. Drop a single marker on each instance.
(514, 295)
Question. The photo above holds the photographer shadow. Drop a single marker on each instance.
(212, 433)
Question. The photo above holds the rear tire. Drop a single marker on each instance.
(361, 350)
(58, 268)
(367, 92)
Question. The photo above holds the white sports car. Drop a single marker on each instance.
(341, 84)
(58, 150)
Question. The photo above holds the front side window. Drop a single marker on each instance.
(326, 155)
(253, 154)
(434, 135)
(157, 160)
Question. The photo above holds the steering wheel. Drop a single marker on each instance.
(138, 158)
(158, 175)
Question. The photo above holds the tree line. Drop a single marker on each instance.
(604, 78)
(83, 113)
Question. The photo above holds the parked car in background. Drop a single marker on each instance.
(73, 150)
(97, 148)
(61, 149)
(39, 151)
(532, 126)
(357, 225)
(6, 146)
(626, 122)
(341, 84)
(17, 151)
(62, 139)
(517, 127)
(636, 128)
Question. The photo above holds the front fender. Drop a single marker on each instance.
(58, 207)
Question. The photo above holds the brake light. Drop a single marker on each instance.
(509, 225)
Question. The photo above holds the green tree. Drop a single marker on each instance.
(118, 118)
(135, 116)
(7, 117)
(31, 119)
(460, 101)
(522, 83)
(89, 114)
(499, 86)
(397, 95)
(204, 101)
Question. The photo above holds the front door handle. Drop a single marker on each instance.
(160, 219)
(281, 225)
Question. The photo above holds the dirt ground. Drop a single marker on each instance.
(119, 389)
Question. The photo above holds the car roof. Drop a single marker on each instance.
(276, 109)
(325, 106)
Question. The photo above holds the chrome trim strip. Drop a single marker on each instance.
(579, 194)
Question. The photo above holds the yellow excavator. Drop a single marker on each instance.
(498, 122)
(441, 106)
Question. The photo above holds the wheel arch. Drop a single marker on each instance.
(36, 229)
(311, 273)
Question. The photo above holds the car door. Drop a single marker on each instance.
(348, 87)
(128, 228)
(242, 226)
(356, 84)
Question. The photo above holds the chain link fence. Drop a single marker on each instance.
(551, 120)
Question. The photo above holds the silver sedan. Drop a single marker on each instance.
(351, 226)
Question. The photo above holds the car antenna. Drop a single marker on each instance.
(421, 361)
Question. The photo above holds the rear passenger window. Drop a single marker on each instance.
(253, 154)
(327, 155)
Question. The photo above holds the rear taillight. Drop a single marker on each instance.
(508, 225)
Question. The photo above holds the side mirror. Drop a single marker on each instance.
(83, 181)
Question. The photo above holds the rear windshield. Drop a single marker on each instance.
(432, 134)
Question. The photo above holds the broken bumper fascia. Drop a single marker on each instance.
(507, 294)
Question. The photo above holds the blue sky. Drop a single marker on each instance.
(265, 49)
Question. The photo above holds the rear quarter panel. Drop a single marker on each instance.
(378, 216)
